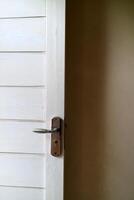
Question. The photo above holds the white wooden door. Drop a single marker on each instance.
(31, 93)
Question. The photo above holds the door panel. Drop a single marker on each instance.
(22, 69)
(13, 193)
(18, 137)
(22, 103)
(22, 8)
(31, 93)
(25, 34)
(22, 170)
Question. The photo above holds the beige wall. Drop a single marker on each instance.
(99, 137)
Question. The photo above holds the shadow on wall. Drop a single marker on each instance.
(99, 161)
(85, 87)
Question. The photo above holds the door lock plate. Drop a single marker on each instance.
(56, 137)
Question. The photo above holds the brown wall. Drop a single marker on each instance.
(85, 70)
(99, 137)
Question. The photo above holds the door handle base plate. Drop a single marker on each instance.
(56, 137)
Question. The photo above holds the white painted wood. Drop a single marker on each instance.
(27, 34)
(22, 8)
(7, 193)
(22, 170)
(22, 69)
(55, 92)
(22, 164)
(22, 103)
(18, 137)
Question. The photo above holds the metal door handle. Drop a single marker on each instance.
(46, 131)
(56, 136)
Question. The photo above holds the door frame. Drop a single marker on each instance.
(55, 12)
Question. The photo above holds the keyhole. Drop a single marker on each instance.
(56, 142)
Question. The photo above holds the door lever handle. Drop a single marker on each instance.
(46, 131)
(56, 136)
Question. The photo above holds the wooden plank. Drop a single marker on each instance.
(22, 103)
(28, 34)
(7, 193)
(22, 69)
(22, 8)
(18, 137)
(22, 170)
(55, 94)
